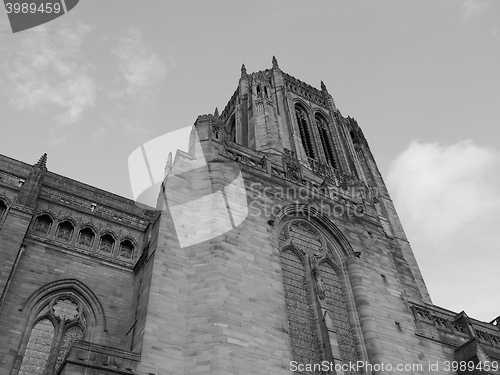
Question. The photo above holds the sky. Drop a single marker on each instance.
(421, 78)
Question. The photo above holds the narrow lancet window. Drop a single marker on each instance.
(326, 141)
(305, 131)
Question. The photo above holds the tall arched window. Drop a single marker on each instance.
(232, 129)
(43, 223)
(318, 313)
(3, 209)
(59, 324)
(305, 131)
(326, 141)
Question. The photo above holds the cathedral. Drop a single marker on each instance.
(281, 253)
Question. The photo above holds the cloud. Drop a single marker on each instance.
(473, 8)
(45, 73)
(141, 69)
(448, 198)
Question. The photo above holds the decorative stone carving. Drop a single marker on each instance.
(65, 310)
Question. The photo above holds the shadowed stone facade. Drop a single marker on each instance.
(320, 271)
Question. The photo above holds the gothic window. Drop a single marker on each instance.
(305, 131)
(3, 209)
(57, 326)
(326, 141)
(337, 308)
(126, 250)
(86, 237)
(258, 90)
(232, 129)
(43, 223)
(301, 322)
(64, 231)
(106, 244)
(310, 282)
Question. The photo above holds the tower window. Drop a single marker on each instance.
(232, 129)
(106, 244)
(326, 141)
(64, 231)
(86, 238)
(305, 131)
(43, 224)
(258, 89)
(126, 250)
(3, 209)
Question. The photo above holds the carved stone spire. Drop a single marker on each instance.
(323, 87)
(216, 112)
(42, 162)
(275, 63)
(243, 70)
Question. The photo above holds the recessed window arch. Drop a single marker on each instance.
(57, 315)
(126, 249)
(304, 338)
(319, 315)
(59, 322)
(232, 129)
(305, 130)
(3, 209)
(42, 225)
(326, 140)
(86, 237)
(65, 231)
(106, 243)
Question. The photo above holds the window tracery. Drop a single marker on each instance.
(57, 327)
(312, 277)
(326, 141)
(305, 131)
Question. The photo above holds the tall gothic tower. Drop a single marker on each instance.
(303, 268)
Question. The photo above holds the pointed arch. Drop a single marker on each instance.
(343, 249)
(303, 333)
(305, 131)
(97, 317)
(307, 236)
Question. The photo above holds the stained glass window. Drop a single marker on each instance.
(303, 336)
(38, 349)
(48, 344)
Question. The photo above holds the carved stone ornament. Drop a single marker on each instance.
(65, 309)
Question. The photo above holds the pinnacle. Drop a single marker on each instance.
(216, 113)
(42, 162)
(275, 62)
(323, 86)
(243, 69)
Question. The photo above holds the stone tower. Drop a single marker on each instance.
(296, 262)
